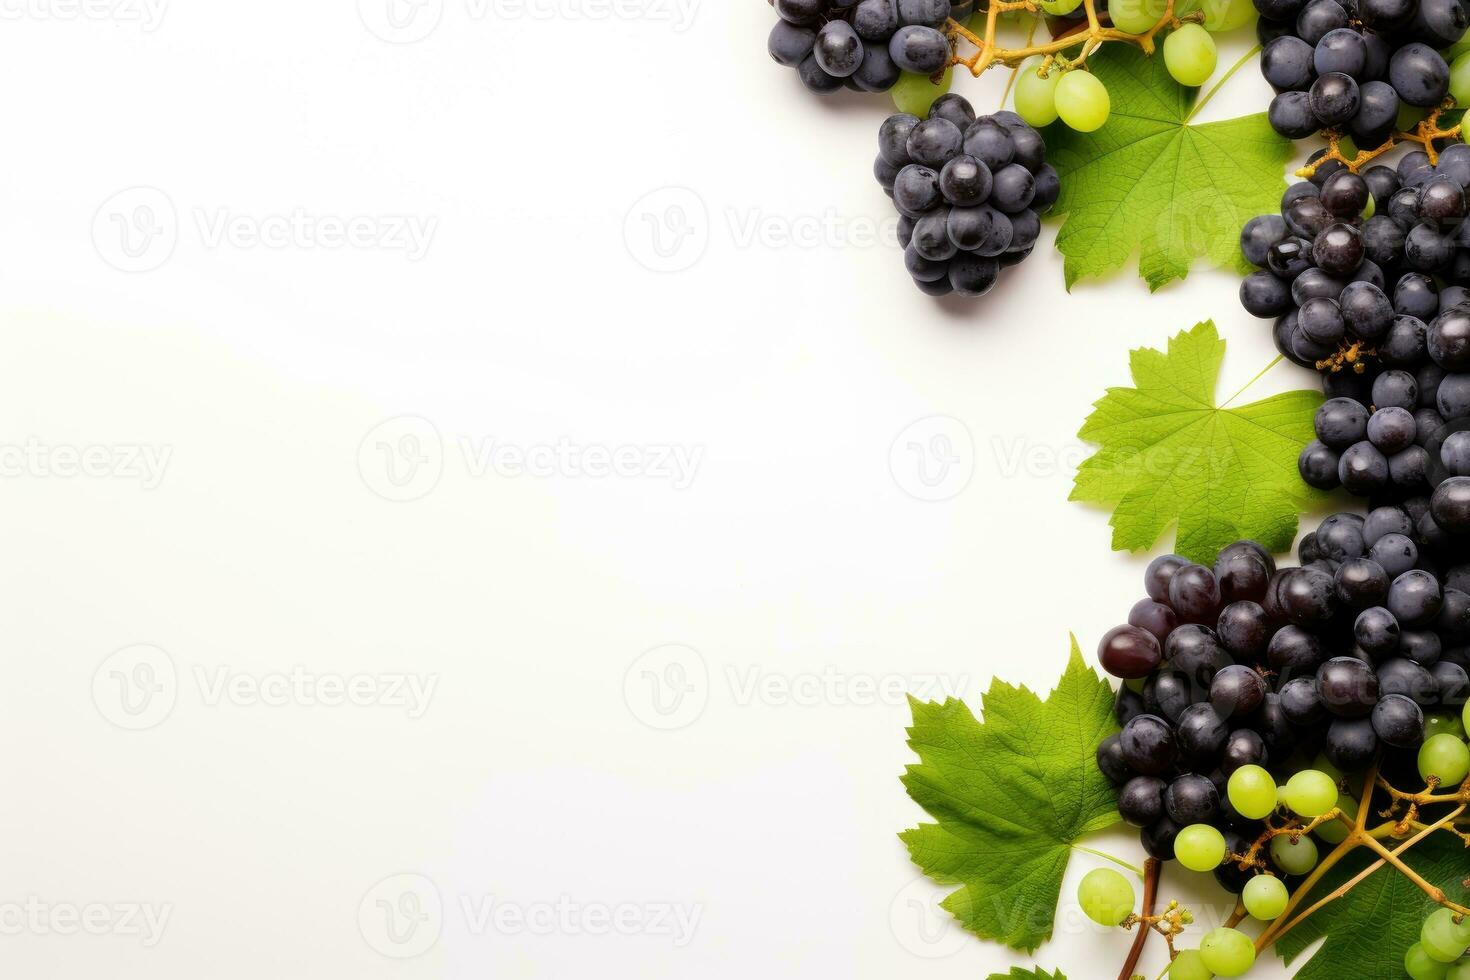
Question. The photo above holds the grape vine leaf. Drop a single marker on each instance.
(1370, 928)
(1168, 454)
(1010, 796)
(1150, 181)
(1019, 974)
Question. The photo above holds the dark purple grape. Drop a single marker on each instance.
(1300, 702)
(1398, 721)
(1129, 652)
(1201, 734)
(1191, 799)
(1153, 616)
(1158, 840)
(1351, 744)
(1141, 801)
(1148, 745)
(1194, 594)
(1244, 630)
(1243, 748)
(1348, 688)
(1111, 761)
(1157, 576)
(1237, 691)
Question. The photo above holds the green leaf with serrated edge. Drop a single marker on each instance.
(1370, 928)
(1168, 455)
(1010, 796)
(1150, 182)
(1019, 974)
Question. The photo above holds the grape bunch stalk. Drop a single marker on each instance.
(970, 191)
(1270, 714)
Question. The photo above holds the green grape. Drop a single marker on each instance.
(1200, 847)
(1190, 55)
(1136, 16)
(1227, 952)
(1036, 97)
(1465, 718)
(1334, 831)
(1106, 897)
(1060, 8)
(1252, 792)
(1322, 763)
(1458, 48)
(1419, 965)
(1369, 209)
(1227, 15)
(1459, 971)
(1439, 722)
(1134, 684)
(1188, 966)
(1444, 756)
(1294, 859)
(1310, 793)
(1082, 101)
(916, 93)
(1460, 79)
(1442, 938)
(1265, 897)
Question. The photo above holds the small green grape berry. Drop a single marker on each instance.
(1082, 101)
(1440, 722)
(1419, 965)
(1106, 897)
(1188, 966)
(1200, 847)
(1036, 102)
(916, 93)
(1444, 939)
(1190, 55)
(1446, 758)
(1311, 793)
(1227, 952)
(1252, 791)
(1294, 858)
(1265, 897)
(1335, 831)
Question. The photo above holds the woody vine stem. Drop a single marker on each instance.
(1089, 36)
(1402, 827)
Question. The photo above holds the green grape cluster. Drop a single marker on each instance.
(1048, 90)
(1440, 953)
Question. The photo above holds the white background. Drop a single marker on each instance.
(270, 376)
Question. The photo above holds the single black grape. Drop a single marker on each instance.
(1398, 721)
(1259, 234)
(1418, 73)
(1191, 799)
(1148, 745)
(1141, 801)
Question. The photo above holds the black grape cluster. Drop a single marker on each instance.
(969, 191)
(1350, 659)
(862, 44)
(1350, 65)
(1381, 307)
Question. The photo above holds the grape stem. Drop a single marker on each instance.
(1108, 857)
(1152, 869)
(1093, 36)
(1424, 134)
